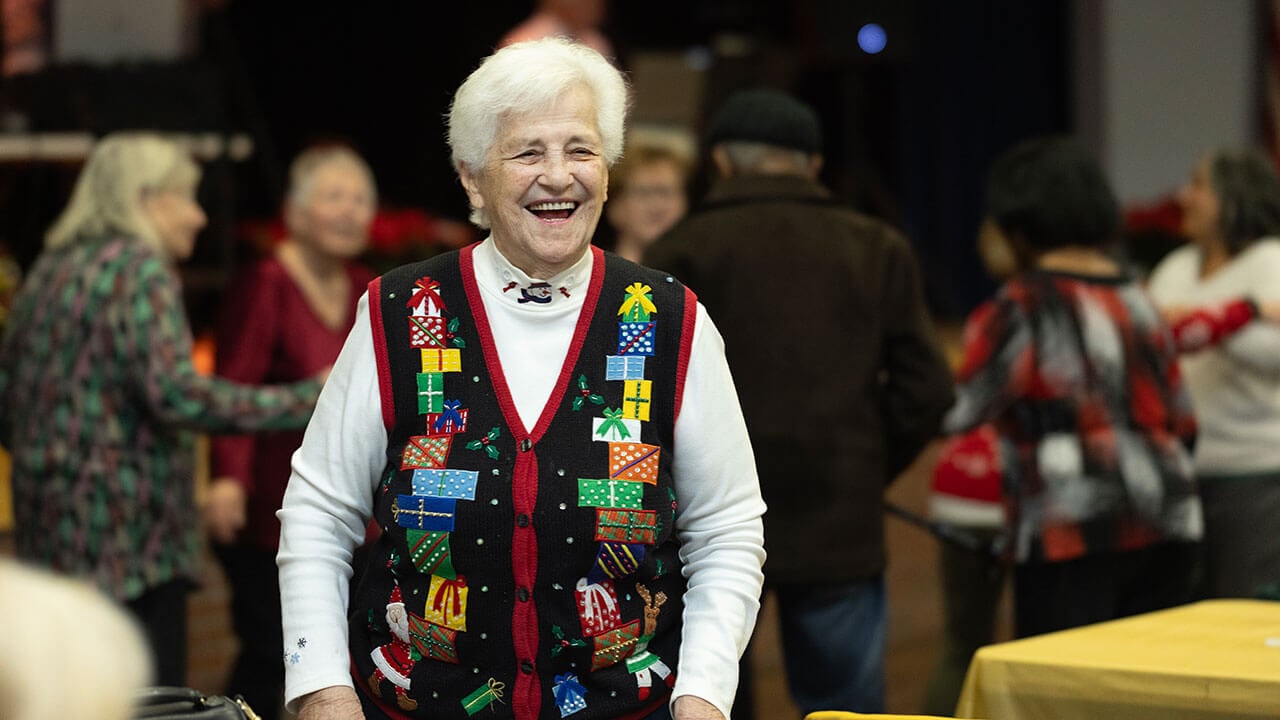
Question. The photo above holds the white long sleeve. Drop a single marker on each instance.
(336, 472)
(1235, 386)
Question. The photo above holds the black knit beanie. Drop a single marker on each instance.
(766, 116)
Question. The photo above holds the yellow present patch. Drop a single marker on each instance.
(636, 397)
(447, 602)
(440, 360)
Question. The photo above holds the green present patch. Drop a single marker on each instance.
(610, 493)
(430, 553)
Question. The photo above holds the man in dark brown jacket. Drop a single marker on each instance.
(841, 380)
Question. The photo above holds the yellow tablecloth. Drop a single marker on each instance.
(1213, 659)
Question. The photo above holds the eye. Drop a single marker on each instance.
(583, 152)
(529, 155)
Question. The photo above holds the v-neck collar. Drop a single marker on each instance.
(493, 362)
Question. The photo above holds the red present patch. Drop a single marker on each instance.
(634, 461)
(615, 646)
(597, 607)
(432, 640)
(451, 421)
(426, 331)
(424, 451)
(627, 526)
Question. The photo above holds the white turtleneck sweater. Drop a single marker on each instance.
(336, 472)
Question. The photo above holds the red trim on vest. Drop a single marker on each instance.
(380, 353)
(686, 348)
(589, 304)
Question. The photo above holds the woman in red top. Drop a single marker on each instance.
(285, 319)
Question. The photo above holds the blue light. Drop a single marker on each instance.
(872, 38)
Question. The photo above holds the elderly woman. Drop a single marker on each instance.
(98, 395)
(285, 320)
(1077, 372)
(1231, 214)
(548, 436)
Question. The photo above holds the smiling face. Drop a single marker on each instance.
(1201, 208)
(543, 185)
(336, 212)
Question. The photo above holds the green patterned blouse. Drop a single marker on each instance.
(98, 401)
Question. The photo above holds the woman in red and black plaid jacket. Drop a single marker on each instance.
(1078, 372)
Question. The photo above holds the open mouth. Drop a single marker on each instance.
(558, 210)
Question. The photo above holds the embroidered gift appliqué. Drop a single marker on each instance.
(634, 461)
(423, 513)
(483, 696)
(425, 452)
(610, 493)
(446, 483)
(569, 694)
(624, 367)
(430, 553)
(638, 307)
(614, 427)
(636, 338)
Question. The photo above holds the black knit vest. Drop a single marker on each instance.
(539, 570)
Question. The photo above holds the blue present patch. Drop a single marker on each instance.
(424, 513)
(568, 694)
(636, 338)
(445, 483)
(615, 561)
(624, 367)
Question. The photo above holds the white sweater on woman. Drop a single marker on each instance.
(1235, 386)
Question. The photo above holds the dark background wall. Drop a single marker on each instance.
(909, 132)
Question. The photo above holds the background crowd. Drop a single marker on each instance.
(1100, 435)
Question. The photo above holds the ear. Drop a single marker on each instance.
(471, 184)
(815, 166)
(720, 159)
(292, 216)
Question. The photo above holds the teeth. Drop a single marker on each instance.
(564, 205)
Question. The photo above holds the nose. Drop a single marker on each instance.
(200, 218)
(555, 171)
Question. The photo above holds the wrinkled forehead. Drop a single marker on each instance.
(552, 116)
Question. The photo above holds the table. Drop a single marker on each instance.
(1208, 660)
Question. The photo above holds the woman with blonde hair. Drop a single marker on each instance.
(98, 394)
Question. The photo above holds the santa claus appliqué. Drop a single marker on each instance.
(395, 660)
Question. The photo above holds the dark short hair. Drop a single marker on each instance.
(768, 117)
(1050, 193)
(1248, 196)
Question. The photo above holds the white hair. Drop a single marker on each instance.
(302, 171)
(107, 197)
(528, 77)
(50, 621)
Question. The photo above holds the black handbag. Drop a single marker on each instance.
(182, 703)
